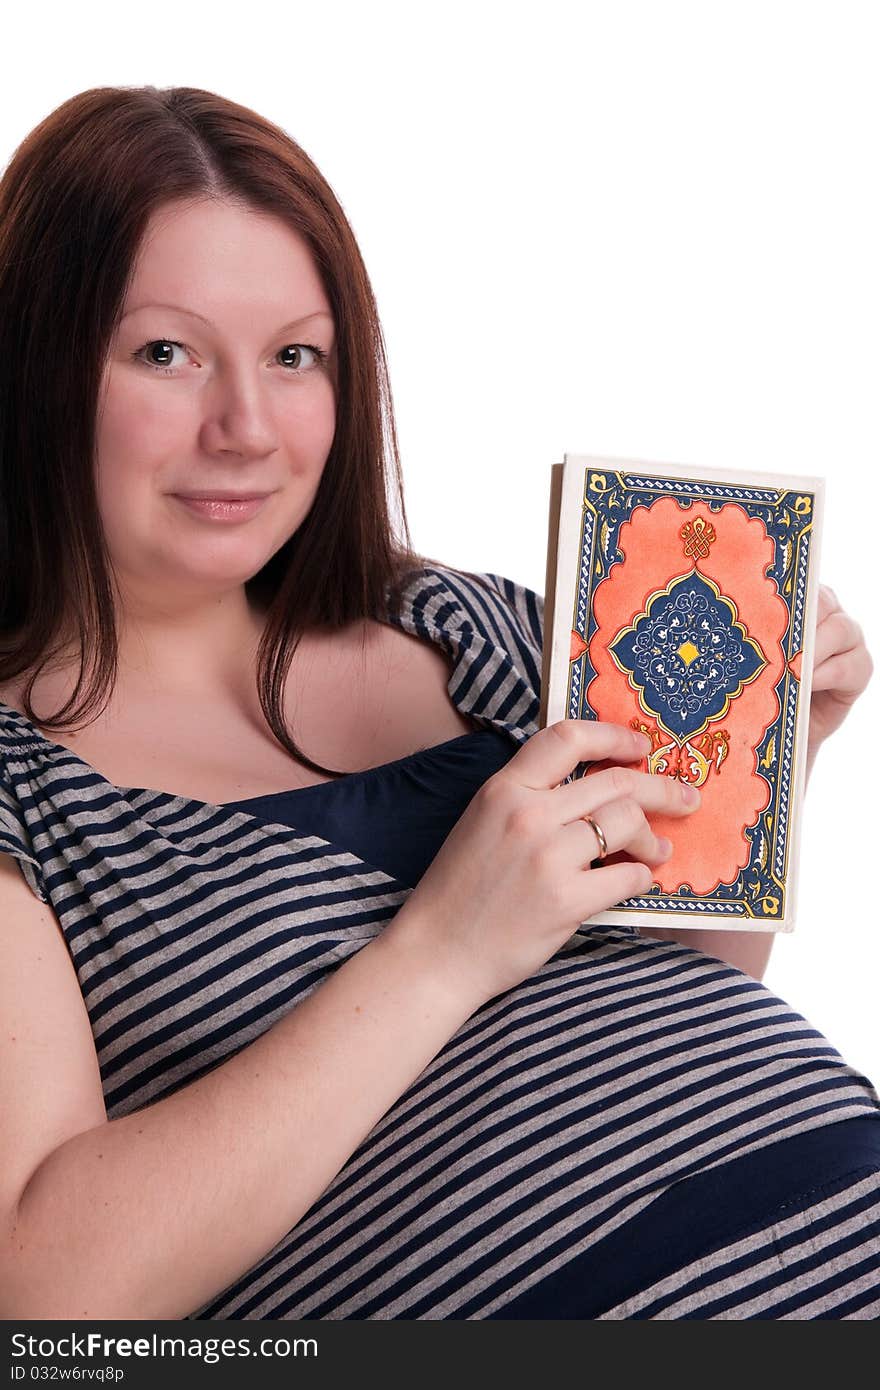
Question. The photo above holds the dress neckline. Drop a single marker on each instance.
(363, 773)
(430, 609)
(54, 747)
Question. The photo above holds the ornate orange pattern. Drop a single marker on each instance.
(734, 553)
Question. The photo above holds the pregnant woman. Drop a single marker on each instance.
(303, 1012)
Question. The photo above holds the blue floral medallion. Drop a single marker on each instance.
(687, 656)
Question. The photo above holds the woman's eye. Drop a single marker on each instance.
(297, 349)
(159, 354)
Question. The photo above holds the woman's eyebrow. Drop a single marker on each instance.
(178, 308)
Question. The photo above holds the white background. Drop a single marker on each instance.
(648, 230)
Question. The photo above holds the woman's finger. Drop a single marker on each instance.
(614, 883)
(828, 602)
(655, 793)
(836, 634)
(612, 827)
(553, 753)
(846, 674)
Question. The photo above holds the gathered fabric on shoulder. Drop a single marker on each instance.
(631, 1089)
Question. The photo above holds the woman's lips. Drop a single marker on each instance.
(219, 509)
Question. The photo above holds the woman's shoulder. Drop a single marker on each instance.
(493, 603)
(14, 723)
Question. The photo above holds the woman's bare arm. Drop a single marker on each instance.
(152, 1214)
(749, 951)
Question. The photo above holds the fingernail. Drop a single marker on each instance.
(643, 743)
(689, 795)
(664, 847)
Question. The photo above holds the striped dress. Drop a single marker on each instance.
(636, 1131)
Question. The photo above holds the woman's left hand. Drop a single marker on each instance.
(842, 667)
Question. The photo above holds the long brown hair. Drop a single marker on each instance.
(75, 200)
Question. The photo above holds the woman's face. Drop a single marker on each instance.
(221, 380)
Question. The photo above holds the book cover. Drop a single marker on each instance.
(681, 601)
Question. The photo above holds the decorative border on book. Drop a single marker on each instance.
(608, 499)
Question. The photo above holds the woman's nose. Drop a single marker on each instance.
(239, 417)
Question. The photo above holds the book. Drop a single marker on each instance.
(681, 601)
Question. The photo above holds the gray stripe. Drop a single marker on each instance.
(763, 1247)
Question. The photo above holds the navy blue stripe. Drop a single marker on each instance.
(699, 1215)
(851, 1306)
(740, 1269)
(838, 1255)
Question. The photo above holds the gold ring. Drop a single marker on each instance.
(598, 832)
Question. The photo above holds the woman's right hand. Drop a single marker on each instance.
(513, 880)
